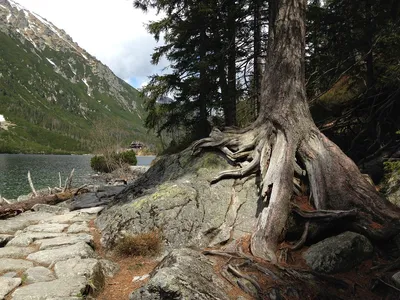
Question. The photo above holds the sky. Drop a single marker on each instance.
(112, 31)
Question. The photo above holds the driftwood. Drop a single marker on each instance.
(11, 210)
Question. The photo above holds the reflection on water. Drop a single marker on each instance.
(44, 171)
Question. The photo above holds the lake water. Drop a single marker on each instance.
(44, 171)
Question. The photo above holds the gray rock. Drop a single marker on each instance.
(396, 279)
(21, 221)
(65, 240)
(7, 285)
(71, 217)
(109, 268)
(175, 194)
(92, 210)
(183, 274)
(392, 187)
(10, 274)
(11, 264)
(22, 239)
(338, 253)
(78, 227)
(38, 274)
(70, 288)
(4, 239)
(15, 252)
(47, 227)
(89, 268)
(88, 200)
(47, 257)
(50, 209)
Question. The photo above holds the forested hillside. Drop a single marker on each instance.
(59, 97)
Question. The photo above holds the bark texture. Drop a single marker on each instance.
(284, 142)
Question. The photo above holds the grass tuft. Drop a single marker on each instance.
(144, 244)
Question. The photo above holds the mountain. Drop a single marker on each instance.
(56, 96)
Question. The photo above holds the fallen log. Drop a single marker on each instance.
(11, 210)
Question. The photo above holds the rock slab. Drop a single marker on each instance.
(7, 285)
(56, 289)
(339, 253)
(183, 274)
(47, 257)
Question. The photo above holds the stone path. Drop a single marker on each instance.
(48, 254)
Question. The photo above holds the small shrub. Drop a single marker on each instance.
(99, 164)
(128, 157)
(144, 244)
(109, 163)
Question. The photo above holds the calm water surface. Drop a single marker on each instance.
(44, 171)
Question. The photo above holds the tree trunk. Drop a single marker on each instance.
(285, 140)
(203, 126)
(257, 56)
(230, 116)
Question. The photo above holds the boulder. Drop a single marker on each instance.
(183, 274)
(396, 279)
(339, 253)
(175, 196)
(89, 268)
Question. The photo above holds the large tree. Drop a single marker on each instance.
(284, 142)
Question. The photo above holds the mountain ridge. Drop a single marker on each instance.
(50, 86)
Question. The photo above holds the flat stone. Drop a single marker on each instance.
(70, 288)
(12, 264)
(4, 239)
(78, 227)
(47, 227)
(338, 253)
(65, 240)
(71, 217)
(38, 274)
(57, 210)
(7, 285)
(21, 221)
(47, 257)
(10, 274)
(92, 210)
(26, 238)
(90, 268)
(15, 252)
(109, 268)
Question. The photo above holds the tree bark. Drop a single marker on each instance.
(230, 114)
(284, 138)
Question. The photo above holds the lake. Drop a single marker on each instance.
(44, 171)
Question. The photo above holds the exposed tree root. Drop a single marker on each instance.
(339, 191)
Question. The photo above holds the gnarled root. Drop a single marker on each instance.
(338, 189)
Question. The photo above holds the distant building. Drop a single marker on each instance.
(136, 145)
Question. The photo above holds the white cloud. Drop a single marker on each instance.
(112, 31)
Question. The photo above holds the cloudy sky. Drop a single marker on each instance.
(112, 31)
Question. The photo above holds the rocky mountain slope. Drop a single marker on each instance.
(55, 92)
